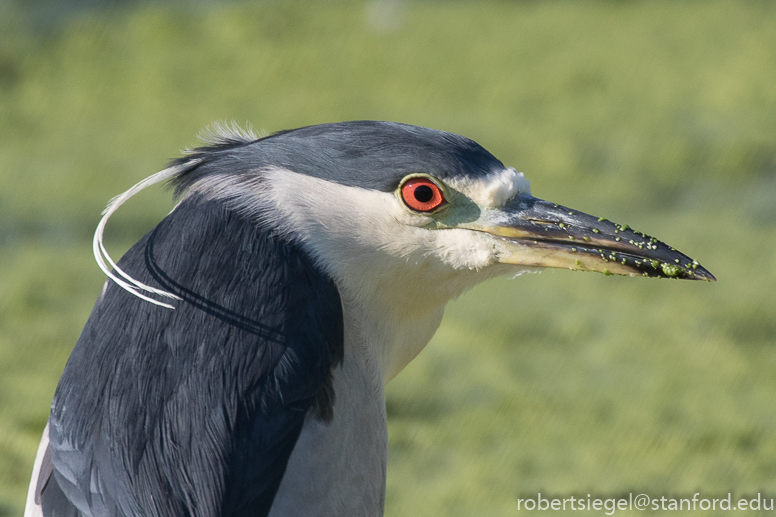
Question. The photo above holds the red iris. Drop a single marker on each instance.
(421, 194)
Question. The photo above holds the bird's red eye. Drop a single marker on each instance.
(421, 194)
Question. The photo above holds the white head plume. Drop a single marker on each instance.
(101, 255)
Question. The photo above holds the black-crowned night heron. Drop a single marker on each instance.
(234, 363)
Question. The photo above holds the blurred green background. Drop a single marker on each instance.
(659, 114)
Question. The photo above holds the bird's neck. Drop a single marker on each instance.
(386, 337)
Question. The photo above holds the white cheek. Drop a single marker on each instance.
(373, 226)
(377, 224)
(464, 249)
(398, 213)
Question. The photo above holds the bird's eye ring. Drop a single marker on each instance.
(421, 194)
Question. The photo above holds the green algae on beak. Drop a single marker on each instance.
(537, 233)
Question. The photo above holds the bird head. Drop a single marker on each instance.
(421, 213)
(405, 218)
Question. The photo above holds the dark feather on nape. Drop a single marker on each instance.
(195, 411)
(218, 138)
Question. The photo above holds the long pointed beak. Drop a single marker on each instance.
(538, 233)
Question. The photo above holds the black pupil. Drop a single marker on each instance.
(423, 193)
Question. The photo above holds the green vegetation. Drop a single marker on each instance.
(661, 114)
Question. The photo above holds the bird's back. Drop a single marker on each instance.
(194, 411)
